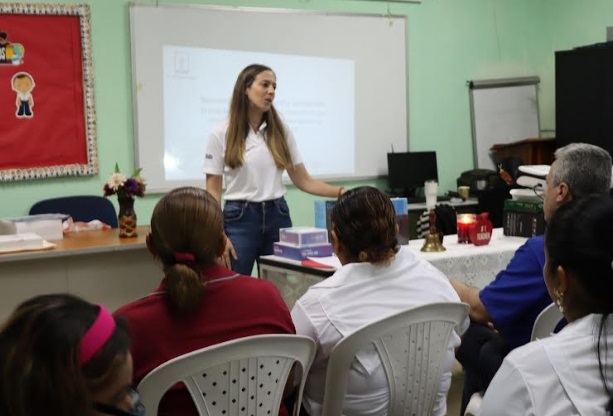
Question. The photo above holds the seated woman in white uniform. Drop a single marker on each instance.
(377, 279)
(571, 372)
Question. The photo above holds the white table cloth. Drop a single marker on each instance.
(473, 265)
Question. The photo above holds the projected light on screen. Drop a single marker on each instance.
(315, 96)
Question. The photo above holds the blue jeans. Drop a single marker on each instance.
(253, 227)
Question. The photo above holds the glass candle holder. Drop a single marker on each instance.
(465, 221)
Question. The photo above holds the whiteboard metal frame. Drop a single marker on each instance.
(496, 83)
(260, 10)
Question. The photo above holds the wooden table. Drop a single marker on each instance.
(96, 265)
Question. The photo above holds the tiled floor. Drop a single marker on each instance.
(454, 397)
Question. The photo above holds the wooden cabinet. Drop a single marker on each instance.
(537, 151)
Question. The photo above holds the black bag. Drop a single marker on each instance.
(480, 180)
(446, 219)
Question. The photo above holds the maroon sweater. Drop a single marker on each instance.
(231, 308)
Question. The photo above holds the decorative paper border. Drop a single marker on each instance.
(91, 168)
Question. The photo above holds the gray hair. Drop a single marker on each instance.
(585, 168)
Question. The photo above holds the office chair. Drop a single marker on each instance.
(81, 208)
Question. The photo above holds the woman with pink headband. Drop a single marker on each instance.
(60, 355)
(199, 302)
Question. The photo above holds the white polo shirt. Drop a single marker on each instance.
(259, 179)
(358, 294)
(553, 376)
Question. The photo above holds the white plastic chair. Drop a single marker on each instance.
(412, 345)
(245, 376)
(546, 322)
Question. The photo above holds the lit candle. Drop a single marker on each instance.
(465, 221)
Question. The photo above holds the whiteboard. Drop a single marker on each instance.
(503, 111)
(341, 85)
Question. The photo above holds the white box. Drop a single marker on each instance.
(20, 242)
(293, 252)
(303, 236)
(48, 226)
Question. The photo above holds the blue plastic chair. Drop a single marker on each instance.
(80, 208)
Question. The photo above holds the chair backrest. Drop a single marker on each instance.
(80, 208)
(245, 376)
(412, 345)
(546, 322)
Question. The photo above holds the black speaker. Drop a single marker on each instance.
(584, 96)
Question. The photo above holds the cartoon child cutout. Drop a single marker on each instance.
(23, 84)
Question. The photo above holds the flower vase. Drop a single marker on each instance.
(127, 218)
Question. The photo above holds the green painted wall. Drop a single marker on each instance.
(449, 42)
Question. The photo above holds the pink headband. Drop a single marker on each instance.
(96, 336)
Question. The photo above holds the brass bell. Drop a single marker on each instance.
(433, 243)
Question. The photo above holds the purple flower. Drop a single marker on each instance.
(131, 187)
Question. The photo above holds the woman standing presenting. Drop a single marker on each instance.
(251, 151)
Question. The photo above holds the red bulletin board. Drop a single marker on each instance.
(47, 112)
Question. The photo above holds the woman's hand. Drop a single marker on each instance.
(228, 251)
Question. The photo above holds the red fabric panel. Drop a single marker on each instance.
(55, 134)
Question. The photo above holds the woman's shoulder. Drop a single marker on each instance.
(255, 285)
(220, 130)
(141, 308)
(250, 292)
(529, 354)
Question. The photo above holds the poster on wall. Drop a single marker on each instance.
(47, 112)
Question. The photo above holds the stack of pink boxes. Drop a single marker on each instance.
(298, 243)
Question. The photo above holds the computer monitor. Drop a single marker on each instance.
(409, 170)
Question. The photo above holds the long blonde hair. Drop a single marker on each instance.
(238, 127)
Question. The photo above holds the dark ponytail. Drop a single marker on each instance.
(185, 287)
(186, 236)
